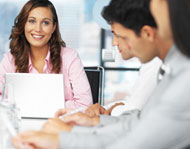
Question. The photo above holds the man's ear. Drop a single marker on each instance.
(148, 32)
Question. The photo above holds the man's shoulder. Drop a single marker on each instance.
(152, 65)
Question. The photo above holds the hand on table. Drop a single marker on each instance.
(95, 110)
(78, 118)
(56, 125)
(108, 112)
(36, 140)
(81, 119)
(61, 112)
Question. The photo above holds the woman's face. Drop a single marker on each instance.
(39, 27)
(160, 12)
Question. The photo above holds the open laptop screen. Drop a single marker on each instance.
(37, 95)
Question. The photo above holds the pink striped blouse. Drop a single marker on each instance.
(76, 85)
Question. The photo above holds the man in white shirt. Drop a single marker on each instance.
(140, 91)
(163, 122)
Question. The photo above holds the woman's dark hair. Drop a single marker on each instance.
(20, 48)
(132, 14)
(179, 11)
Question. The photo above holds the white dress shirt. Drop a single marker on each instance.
(142, 89)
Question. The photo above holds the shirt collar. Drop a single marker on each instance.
(30, 64)
(47, 66)
(172, 60)
(165, 68)
(47, 59)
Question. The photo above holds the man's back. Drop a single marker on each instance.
(165, 120)
(163, 123)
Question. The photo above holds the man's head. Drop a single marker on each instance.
(172, 17)
(133, 27)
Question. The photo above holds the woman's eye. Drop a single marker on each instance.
(31, 21)
(45, 22)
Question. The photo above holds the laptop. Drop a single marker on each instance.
(37, 95)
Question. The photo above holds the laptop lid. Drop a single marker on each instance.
(37, 95)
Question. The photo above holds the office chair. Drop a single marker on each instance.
(95, 77)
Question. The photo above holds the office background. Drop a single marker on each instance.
(82, 33)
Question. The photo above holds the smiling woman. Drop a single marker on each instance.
(36, 47)
(36, 11)
(39, 28)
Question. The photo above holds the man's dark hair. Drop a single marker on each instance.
(179, 11)
(132, 14)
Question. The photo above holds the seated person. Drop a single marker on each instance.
(36, 47)
(140, 92)
(164, 121)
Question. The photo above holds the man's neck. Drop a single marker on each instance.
(164, 49)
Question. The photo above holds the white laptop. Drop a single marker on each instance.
(37, 95)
